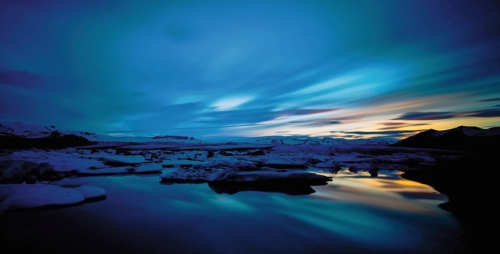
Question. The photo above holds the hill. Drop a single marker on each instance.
(462, 138)
(19, 135)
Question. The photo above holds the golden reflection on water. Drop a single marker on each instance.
(388, 191)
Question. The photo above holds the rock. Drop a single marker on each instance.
(269, 176)
(231, 175)
(18, 171)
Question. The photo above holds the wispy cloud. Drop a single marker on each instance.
(231, 103)
(301, 112)
(330, 85)
(315, 123)
(394, 123)
(484, 113)
(399, 125)
(369, 134)
(427, 116)
(380, 132)
(489, 100)
(410, 125)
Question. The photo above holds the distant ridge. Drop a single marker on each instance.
(461, 138)
(320, 141)
(20, 135)
(33, 132)
(28, 130)
(53, 141)
(173, 137)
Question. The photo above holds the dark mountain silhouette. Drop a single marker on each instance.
(171, 137)
(54, 140)
(462, 138)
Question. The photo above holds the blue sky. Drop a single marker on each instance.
(251, 68)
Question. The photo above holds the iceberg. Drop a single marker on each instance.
(31, 196)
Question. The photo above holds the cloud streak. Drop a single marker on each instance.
(426, 116)
(490, 100)
(485, 113)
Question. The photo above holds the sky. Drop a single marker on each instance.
(251, 68)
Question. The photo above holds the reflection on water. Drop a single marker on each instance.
(233, 188)
(387, 191)
(353, 213)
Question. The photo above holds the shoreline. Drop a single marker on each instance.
(466, 191)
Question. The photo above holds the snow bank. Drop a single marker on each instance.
(142, 169)
(62, 161)
(29, 196)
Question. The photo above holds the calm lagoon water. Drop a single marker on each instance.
(354, 213)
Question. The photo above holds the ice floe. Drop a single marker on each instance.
(30, 196)
(120, 159)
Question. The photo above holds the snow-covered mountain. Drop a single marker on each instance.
(471, 131)
(19, 135)
(321, 141)
(466, 138)
(27, 130)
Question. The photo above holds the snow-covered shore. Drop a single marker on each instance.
(232, 163)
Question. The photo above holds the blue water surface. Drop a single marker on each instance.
(354, 213)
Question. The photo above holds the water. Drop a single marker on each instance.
(354, 213)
